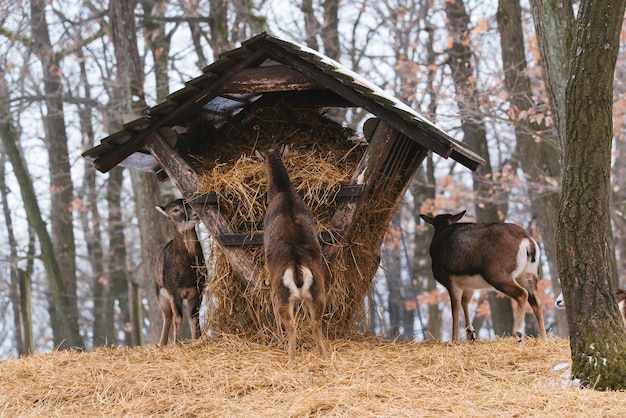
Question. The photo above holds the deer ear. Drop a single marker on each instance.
(427, 219)
(458, 216)
(161, 209)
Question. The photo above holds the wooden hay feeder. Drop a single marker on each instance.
(268, 92)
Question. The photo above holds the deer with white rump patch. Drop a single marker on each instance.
(292, 252)
(469, 256)
(180, 272)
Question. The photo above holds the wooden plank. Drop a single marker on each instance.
(269, 79)
(138, 124)
(187, 181)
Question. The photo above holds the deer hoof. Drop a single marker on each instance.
(471, 334)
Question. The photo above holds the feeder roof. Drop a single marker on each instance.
(263, 65)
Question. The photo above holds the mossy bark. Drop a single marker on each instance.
(585, 245)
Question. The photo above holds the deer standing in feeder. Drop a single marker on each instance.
(469, 256)
(292, 252)
(180, 272)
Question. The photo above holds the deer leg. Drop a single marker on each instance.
(470, 332)
(193, 311)
(518, 323)
(535, 302)
(166, 309)
(177, 309)
(316, 311)
(455, 304)
(290, 326)
(515, 291)
(283, 312)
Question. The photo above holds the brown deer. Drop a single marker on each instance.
(180, 272)
(292, 252)
(469, 256)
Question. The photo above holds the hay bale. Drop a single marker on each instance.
(322, 157)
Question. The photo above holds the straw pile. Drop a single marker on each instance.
(231, 377)
(322, 157)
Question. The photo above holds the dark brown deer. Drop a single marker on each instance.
(292, 252)
(180, 272)
(469, 256)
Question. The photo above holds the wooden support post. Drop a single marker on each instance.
(389, 163)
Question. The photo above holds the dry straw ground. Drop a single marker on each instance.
(231, 377)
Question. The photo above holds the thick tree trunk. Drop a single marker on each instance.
(145, 186)
(538, 157)
(554, 28)
(475, 137)
(586, 257)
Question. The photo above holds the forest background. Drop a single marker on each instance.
(72, 73)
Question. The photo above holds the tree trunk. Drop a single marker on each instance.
(554, 27)
(58, 294)
(400, 326)
(218, 23)
(330, 29)
(130, 76)
(423, 189)
(311, 24)
(539, 158)
(586, 257)
(61, 187)
(19, 287)
(91, 220)
(146, 188)
(117, 261)
(475, 137)
(429, 192)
